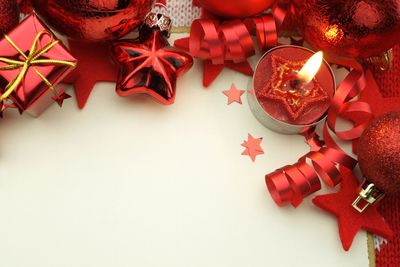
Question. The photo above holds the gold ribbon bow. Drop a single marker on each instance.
(31, 60)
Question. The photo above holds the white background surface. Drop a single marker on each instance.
(128, 182)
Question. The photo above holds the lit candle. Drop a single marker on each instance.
(292, 89)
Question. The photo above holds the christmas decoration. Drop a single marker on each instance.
(378, 153)
(32, 63)
(149, 64)
(228, 44)
(235, 8)
(9, 15)
(350, 28)
(351, 221)
(25, 6)
(283, 95)
(292, 183)
(94, 20)
(95, 65)
(253, 147)
(234, 95)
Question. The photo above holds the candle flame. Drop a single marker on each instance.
(310, 69)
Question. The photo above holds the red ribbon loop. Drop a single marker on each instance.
(293, 183)
(231, 40)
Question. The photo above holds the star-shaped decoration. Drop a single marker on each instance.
(350, 220)
(60, 97)
(234, 95)
(294, 101)
(312, 139)
(212, 71)
(253, 147)
(94, 65)
(149, 65)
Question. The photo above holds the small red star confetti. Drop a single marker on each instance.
(351, 221)
(234, 95)
(312, 139)
(253, 147)
(62, 95)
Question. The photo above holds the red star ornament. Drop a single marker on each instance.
(253, 147)
(294, 102)
(234, 95)
(149, 65)
(351, 221)
(94, 65)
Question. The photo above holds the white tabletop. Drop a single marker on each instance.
(129, 182)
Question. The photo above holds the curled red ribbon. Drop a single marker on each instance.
(292, 183)
(231, 40)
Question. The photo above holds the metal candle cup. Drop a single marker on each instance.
(283, 103)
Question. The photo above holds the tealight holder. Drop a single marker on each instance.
(290, 90)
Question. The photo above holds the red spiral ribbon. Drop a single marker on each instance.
(292, 183)
(231, 40)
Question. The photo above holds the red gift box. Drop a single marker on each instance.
(32, 63)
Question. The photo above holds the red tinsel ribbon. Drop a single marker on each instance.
(292, 183)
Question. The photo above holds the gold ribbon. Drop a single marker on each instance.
(31, 60)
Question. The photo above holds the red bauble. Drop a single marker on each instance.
(379, 153)
(92, 20)
(350, 28)
(235, 8)
(9, 15)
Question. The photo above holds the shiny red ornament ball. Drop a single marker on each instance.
(235, 8)
(92, 20)
(379, 153)
(349, 28)
(9, 15)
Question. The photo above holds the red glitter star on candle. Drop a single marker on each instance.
(234, 95)
(253, 147)
(294, 100)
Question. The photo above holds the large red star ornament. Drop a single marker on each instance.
(149, 65)
(350, 221)
(295, 102)
(253, 147)
(94, 65)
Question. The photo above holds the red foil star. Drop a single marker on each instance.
(149, 65)
(294, 101)
(234, 95)
(253, 147)
(351, 221)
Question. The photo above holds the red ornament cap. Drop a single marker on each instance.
(379, 153)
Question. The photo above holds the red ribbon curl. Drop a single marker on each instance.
(292, 183)
(231, 40)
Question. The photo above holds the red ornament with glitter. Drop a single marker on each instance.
(350, 28)
(92, 20)
(235, 8)
(378, 155)
(32, 63)
(149, 65)
(9, 15)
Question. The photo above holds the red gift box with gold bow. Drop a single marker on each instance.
(32, 63)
